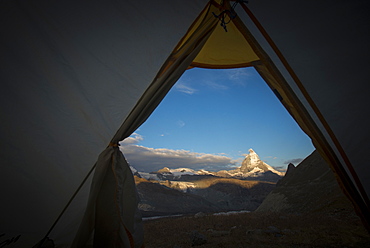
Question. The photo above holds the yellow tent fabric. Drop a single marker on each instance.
(227, 47)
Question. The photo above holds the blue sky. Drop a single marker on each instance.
(211, 118)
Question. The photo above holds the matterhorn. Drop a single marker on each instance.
(253, 166)
(252, 163)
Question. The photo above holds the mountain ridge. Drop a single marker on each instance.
(252, 167)
(184, 190)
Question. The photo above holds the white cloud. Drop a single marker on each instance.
(182, 87)
(238, 74)
(271, 157)
(133, 139)
(150, 159)
(215, 86)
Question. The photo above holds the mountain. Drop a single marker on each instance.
(184, 190)
(309, 187)
(252, 168)
(252, 163)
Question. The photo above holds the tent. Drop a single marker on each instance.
(79, 76)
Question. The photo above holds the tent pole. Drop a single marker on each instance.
(67, 205)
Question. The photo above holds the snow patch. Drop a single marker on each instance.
(149, 176)
(231, 213)
(160, 217)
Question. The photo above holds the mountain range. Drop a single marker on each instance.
(183, 190)
(252, 168)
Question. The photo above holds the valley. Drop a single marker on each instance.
(186, 191)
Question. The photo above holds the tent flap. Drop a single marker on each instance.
(110, 214)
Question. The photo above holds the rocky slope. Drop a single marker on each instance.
(309, 187)
(157, 199)
(231, 194)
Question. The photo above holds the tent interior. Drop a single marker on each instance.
(78, 77)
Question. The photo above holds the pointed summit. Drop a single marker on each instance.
(253, 162)
(290, 168)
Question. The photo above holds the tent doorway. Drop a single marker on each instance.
(218, 112)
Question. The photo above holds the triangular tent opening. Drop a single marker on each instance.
(72, 71)
(207, 44)
(217, 112)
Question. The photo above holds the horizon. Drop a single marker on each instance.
(210, 119)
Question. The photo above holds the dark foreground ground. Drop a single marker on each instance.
(258, 230)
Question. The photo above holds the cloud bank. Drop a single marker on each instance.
(147, 159)
(152, 159)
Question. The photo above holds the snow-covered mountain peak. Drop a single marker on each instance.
(164, 170)
(184, 171)
(251, 151)
(253, 158)
(252, 163)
